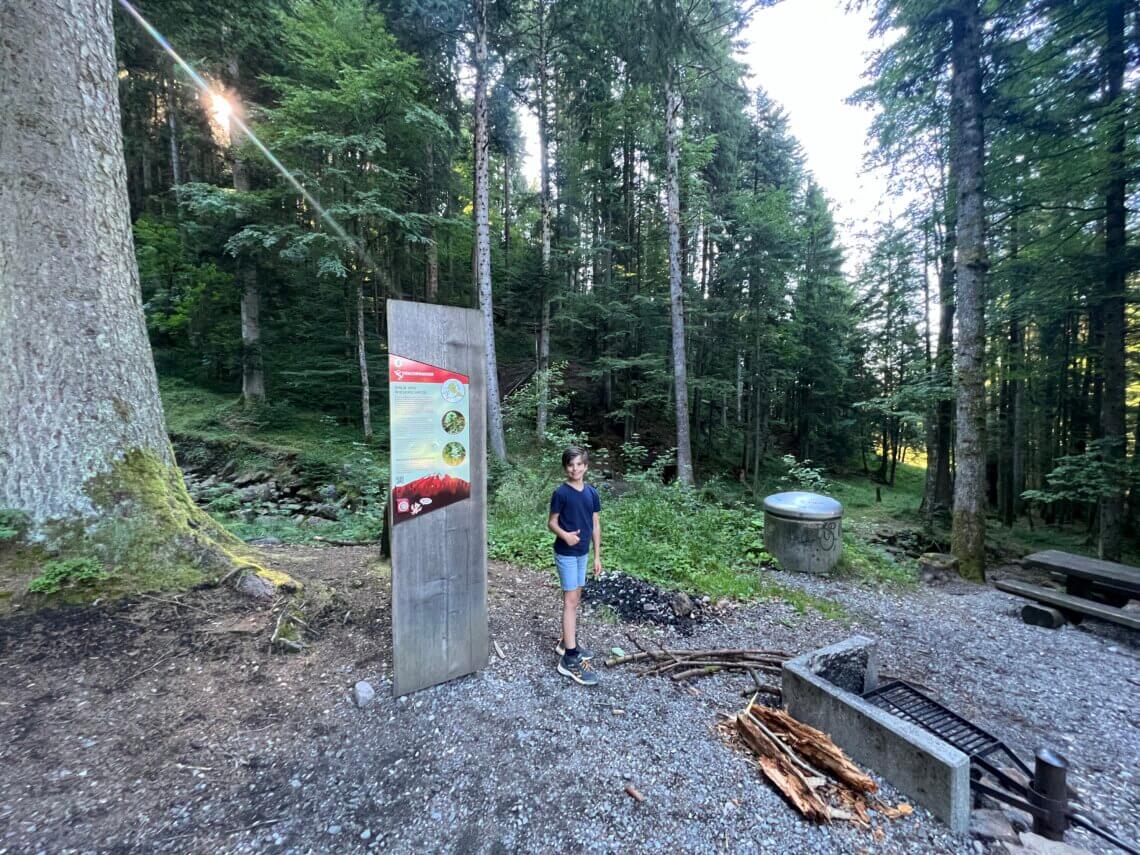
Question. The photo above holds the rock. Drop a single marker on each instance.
(268, 540)
(265, 519)
(255, 587)
(328, 492)
(681, 604)
(937, 567)
(989, 825)
(363, 694)
(315, 522)
(248, 478)
(329, 512)
(255, 493)
(1039, 845)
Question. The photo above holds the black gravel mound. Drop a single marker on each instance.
(638, 601)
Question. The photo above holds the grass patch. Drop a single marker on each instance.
(317, 445)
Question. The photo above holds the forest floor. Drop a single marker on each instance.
(167, 724)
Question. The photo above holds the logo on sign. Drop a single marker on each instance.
(402, 506)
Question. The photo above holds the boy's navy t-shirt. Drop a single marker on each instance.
(575, 513)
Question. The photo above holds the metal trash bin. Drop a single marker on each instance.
(803, 531)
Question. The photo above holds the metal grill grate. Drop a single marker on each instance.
(908, 703)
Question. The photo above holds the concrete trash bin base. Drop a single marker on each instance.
(803, 531)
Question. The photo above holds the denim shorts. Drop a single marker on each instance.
(571, 570)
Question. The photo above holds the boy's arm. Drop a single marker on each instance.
(597, 544)
(570, 538)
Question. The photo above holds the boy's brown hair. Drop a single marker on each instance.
(573, 451)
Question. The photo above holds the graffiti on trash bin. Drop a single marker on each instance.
(823, 536)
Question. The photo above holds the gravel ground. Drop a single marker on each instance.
(237, 750)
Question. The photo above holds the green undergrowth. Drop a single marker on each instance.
(316, 445)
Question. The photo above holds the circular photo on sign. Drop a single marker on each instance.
(453, 422)
(454, 453)
(452, 391)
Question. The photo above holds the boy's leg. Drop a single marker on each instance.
(570, 600)
(575, 665)
(571, 593)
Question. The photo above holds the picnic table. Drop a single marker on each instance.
(1092, 587)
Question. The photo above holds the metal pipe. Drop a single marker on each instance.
(1050, 793)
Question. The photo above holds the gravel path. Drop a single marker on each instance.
(516, 758)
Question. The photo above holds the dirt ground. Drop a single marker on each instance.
(114, 713)
(167, 723)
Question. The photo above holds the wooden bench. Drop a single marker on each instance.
(1085, 577)
(1069, 604)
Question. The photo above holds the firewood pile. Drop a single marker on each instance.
(808, 769)
(681, 665)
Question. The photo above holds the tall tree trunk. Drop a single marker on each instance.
(969, 530)
(362, 359)
(1017, 380)
(496, 438)
(673, 185)
(432, 287)
(85, 453)
(252, 366)
(172, 127)
(942, 497)
(506, 206)
(1112, 304)
(544, 296)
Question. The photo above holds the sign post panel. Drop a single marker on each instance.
(437, 395)
(431, 437)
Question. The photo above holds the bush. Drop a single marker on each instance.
(68, 574)
(13, 524)
(803, 476)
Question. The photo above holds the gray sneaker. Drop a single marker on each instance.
(578, 669)
(584, 652)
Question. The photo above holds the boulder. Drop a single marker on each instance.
(1038, 845)
(681, 604)
(329, 512)
(937, 567)
(256, 493)
(255, 587)
(990, 825)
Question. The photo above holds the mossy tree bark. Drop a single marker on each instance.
(83, 445)
(969, 528)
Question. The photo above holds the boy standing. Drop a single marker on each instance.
(574, 509)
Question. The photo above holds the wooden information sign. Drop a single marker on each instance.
(438, 488)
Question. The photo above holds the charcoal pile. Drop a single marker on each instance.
(638, 601)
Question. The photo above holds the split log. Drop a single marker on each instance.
(815, 747)
(782, 772)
